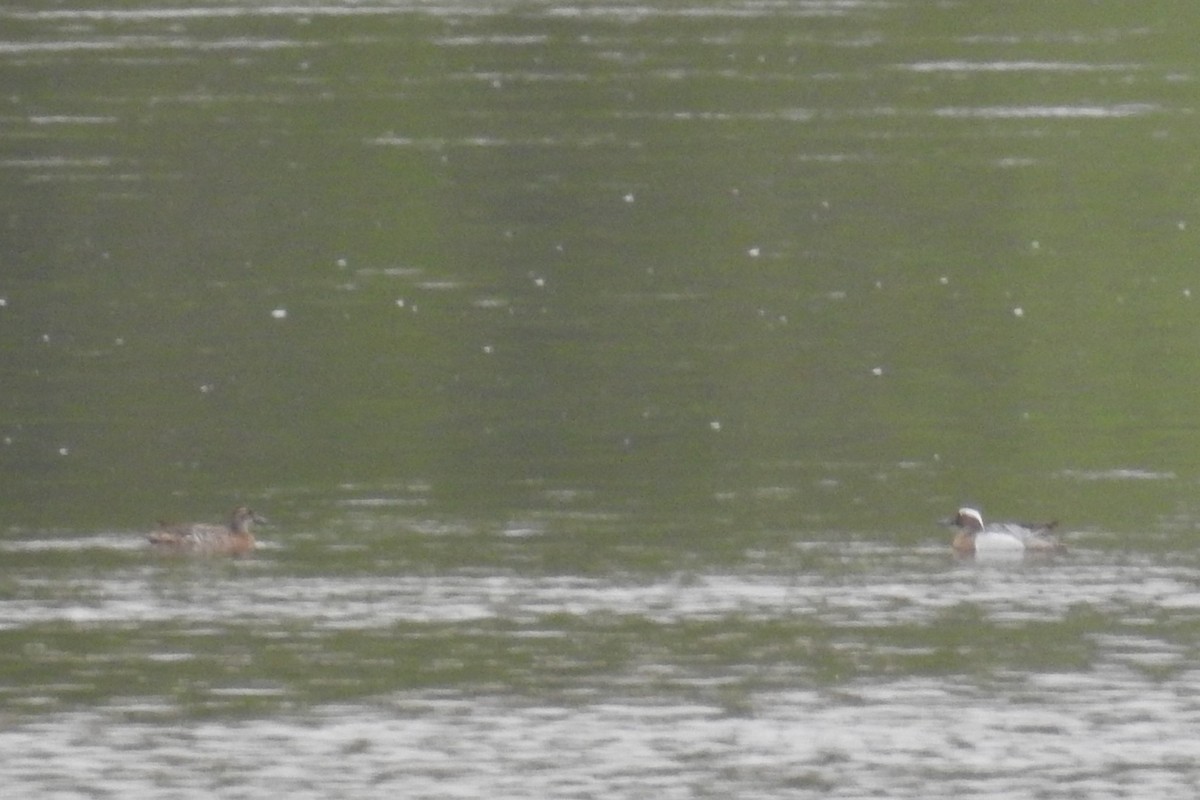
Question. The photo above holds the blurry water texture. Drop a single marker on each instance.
(604, 368)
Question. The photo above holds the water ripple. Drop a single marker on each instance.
(905, 738)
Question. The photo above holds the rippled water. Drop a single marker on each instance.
(910, 737)
(603, 367)
(797, 666)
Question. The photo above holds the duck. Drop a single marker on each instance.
(233, 539)
(975, 538)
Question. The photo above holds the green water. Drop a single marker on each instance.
(604, 369)
(645, 254)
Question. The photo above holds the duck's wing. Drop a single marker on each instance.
(208, 537)
(187, 534)
(169, 535)
(1040, 537)
(1044, 542)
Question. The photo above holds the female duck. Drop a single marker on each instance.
(234, 539)
(975, 538)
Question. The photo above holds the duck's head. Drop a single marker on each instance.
(966, 519)
(243, 518)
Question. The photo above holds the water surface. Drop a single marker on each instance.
(604, 368)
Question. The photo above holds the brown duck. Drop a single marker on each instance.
(234, 539)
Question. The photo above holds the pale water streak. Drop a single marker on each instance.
(1105, 734)
(856, 586)
(720, 692)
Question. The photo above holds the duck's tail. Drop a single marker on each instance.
(164, 537)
